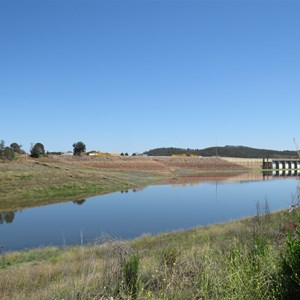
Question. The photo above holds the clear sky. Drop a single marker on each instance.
(129, 76)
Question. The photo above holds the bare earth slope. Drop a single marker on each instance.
(155, 164)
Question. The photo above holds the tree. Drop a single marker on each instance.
(8, 153)
(79, 148)
(37, 150)
(2, 146)
(16, 147)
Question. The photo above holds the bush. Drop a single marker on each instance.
(289, 277)
(8, 153)
(169, 257)
(130, 274)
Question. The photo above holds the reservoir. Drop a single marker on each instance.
(151, 210)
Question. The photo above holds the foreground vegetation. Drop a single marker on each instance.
(256, 258)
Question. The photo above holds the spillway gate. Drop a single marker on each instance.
(281, 164)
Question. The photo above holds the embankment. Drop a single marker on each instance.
(251, 163)
(34, 182)
(155, 163)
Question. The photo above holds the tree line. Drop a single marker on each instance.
(36, 150)
(9, 152)
(227, 151)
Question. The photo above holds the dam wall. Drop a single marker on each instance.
(281, 164)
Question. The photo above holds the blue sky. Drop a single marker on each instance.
(129, 76)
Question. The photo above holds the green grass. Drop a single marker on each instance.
(29, 183)
(236, 260)
(33, 183)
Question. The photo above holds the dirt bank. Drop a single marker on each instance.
(155, 164)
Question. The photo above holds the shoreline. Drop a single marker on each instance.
(146, 235)
(179, 259)
(36, 182)
(203, 262)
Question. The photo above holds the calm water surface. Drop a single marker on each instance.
(133, 213)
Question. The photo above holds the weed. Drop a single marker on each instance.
(169, 257)
(130, 275)
(289, 276)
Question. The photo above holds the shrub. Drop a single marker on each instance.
(289, 277)
(8, 153)
(169, 257)
(130, 274)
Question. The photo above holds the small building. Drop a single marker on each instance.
(67, 153)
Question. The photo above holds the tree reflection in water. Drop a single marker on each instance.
(7, 217)
(79, 202)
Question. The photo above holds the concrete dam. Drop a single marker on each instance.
(281, 164)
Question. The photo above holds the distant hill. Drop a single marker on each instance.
(227, 151)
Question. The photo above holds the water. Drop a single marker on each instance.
(133, 213)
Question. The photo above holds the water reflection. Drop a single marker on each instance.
(160, 208)
(79, 202)
(281, 173)
(139, 189)
(7, 217)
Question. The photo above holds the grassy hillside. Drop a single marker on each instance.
(227, 151)
(248, 259)
(28, 183)
(34, 182)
